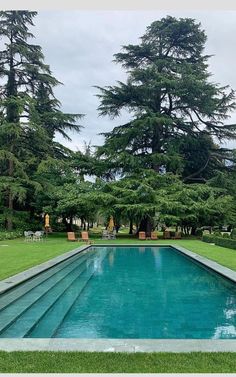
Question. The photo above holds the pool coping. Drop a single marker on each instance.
(21, 277)
(116, 345)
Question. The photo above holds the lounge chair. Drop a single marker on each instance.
(71, 236)
(154, 236)
(177, 235)
(112, 235)
(85, 237)
(142, 236)
(166, 234)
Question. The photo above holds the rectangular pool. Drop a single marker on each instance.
(122, 293)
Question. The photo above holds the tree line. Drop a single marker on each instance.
(165, 166)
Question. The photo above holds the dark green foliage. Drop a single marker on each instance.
(220, 241)
(29, 117)
(199, 233)
(209, 238)
(10, 235)
(174, 106)
(225, 242)
(233, 234)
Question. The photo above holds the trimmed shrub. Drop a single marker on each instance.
(233, 234)
(10, 235)
(220, 241)
(209, 238)
(217, 234)
(199, 232)
(226, 235)
(226, 242)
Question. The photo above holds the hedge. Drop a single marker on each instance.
(210, 238)
(220, 241)
(10, 235)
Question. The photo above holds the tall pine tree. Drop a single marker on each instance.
(26, 135)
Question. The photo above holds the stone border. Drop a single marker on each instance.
(221, 270)
(117, 345)
(17, 279)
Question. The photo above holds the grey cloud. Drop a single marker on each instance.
(79, 48)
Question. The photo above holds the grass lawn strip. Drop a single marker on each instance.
(86, 362)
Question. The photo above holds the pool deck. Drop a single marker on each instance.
(116, 345)
(119, 345)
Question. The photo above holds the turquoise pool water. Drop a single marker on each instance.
(122, 292)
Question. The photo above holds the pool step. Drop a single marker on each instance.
(27, 321)
(47, 326)
(17, 292)
(41, 292)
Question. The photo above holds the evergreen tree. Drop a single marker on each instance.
(169, 96)
(26, 137)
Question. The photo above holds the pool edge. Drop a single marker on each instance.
(119, 345)
(21, 277)
(116, 345)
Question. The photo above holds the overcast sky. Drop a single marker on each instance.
(79, 47)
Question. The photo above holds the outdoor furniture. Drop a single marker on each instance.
(85, 237)
(105, 235)
(28, 236)
(71, 236)
(177, 235)
(38, 236)
(154, 236)
(112, 235)
(166, 234)
(142, 235)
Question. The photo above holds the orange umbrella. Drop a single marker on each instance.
(111, 224)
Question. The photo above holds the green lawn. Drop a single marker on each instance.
(18, 255)
(85, 362)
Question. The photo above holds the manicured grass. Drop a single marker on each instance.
(19, 255)
(85, 362)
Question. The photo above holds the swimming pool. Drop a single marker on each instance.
(122, 293)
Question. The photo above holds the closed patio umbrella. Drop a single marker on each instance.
(111, 224)
(46, 221)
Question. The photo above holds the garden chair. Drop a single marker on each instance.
(85, 237)
(166, 234)
(142, 236)
(105, 235)
(112, 235)
(154, 236)
(38, 236)
(177, 235)
(71, 236)
(28, 236)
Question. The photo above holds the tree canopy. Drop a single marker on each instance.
(165, 166)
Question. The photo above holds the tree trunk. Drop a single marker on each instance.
(10, 199)
(193, 230)
(131, 227)
(146, 226)
(67, 226)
